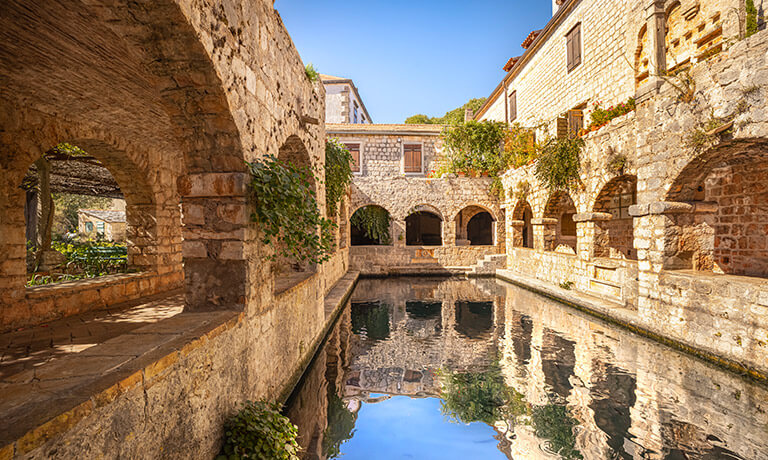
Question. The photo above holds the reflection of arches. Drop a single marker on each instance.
(561, 231)
(360, 236)
(522, 216)
(475, 226)
(725, 230)
(423, 228)
(615, 237)
(474, 320)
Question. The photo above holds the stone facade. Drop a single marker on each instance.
(382, 181)
(173, 98)
(675, 237)
(343, 103)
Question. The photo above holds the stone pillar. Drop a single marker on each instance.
(448, 229)
(544, 233)
(587, 231)
(46, 259)
(656, 21)
(516, 233)
(398, 233)
(13, 264)
(214, 246)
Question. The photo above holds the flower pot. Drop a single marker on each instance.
(461, 174)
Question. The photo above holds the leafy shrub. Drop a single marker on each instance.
(311, 73)
(285, 207)
(338, 174)
(374, 222)
(259, 431)
(558, 164)
(520, 146)
(84, 257)
(474, 147)
(751, 27)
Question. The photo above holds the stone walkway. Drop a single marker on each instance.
(29, 348)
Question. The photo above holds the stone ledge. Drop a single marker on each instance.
(592, 217)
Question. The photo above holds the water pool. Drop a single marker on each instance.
(451, 368)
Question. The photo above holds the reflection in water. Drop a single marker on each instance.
(474, 369)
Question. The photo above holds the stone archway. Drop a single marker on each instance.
(475, 226)
(614, 232)
(423, 228)
(559, 226)
(522, 227)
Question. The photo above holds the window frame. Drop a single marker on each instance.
(512, 97)
(571, 63)
(346, 142)
(402, 158)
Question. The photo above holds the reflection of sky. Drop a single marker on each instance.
(402, 427)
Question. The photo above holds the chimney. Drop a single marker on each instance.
(556, 4)
(468, 115)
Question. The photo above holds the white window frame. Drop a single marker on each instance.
(402, 158)
(362, 150)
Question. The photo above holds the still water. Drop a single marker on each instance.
(421, 368)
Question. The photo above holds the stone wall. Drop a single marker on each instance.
(697, 220)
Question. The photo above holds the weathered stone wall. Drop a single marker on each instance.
(699, 170)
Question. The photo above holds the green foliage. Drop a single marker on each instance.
(480, 397)
(311, 73)
(67, 149)
(600, 116)
(617, 163)
(452, 117)
(285, 207)
(374, 221)
(338, 174)
(567, 285)
(558, 163)
(552, 422)
(259, 431)
(521, 191)
(520, 146)
(751, 18)
(93, 258)
(341, 425)
(66, 206)
(475, 146)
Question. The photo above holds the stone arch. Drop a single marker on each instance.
(521, 224)
(642, 60)
(614, 227)
(143, 75)
(475, 226)
(559, 226)
(358, 236)
(721, 218)
(424, 226)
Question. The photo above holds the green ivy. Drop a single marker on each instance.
(259, 431)
(475, 147)
(751, 18)
(558, 163)
(374, 221)
(286, 209)
(338, 174)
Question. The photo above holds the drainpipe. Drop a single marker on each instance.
(506, 102)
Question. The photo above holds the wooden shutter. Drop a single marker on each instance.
(412, 157)
(573, 46)
(513, 106)
(562, 127)
(354, 149)
(575, 122)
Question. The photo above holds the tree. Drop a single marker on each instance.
(452, 117)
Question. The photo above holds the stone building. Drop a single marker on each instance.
(172, 98)
(437, 224)
(666, 225)
(108, 223)
(343, 103)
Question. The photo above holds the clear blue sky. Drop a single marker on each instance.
(413, 56)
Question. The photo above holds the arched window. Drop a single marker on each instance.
(561, 235)
(423, 228)
(522, 226)
(370, 226)
(474, 227)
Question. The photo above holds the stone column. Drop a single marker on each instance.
(515, 239)
(398, 233)
(214, 247)
(587, 231)
(544, 233)
(448, 229)
(656, 21)
(46, 259)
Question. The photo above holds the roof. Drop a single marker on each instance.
(511, 63)
(541, 37)
(332, 80)
(530, 38)
(402, 129)
(107, 215)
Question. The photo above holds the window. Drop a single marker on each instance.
(575, 121)
(567, 225)
(100, 227)
(354, 149)
(412, 158)
(89, 227)
(513, 106)
(356, 110)
(573, 43)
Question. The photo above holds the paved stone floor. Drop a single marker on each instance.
(27, 348)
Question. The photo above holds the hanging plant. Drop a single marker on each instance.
(285, 207)
(374, 222)
(338, 174)
(258, 430)
(558, 164)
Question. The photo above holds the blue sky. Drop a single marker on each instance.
(413, 56)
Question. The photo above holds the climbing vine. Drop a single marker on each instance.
(374, 222)
(751, 11)
(558, 163)
(258, 430)
(285, 207)
(338, 174)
